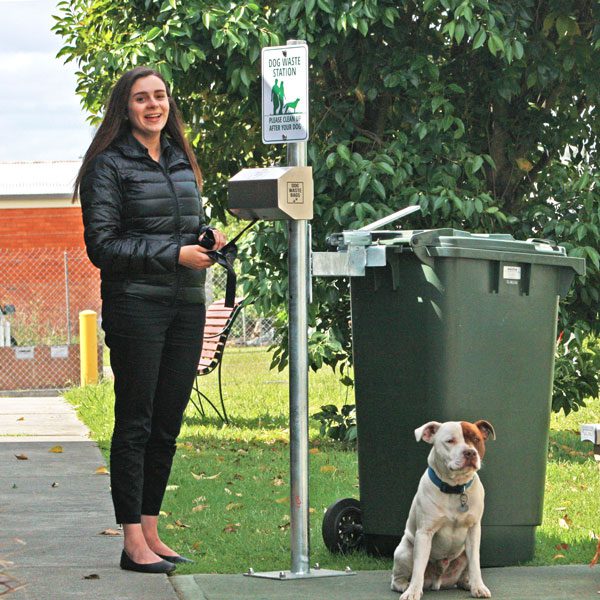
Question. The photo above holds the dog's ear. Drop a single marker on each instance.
(427, 431)
(486, 429)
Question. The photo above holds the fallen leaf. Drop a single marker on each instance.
(170, 526)
(231, 528)
(163, 513)
(204, 476)
(196, 545)
(565, 522)
(596, 556)
(199, 507)
(557, 556)
(101, 470)
(54, 484)
(228, 491)
(314, 451)
(92, 576)
(112, 532)
(171, 488)
(242, 451)
(277, 481)
(9, 584)
(234, 506)
(282, 500)
(21, 419)
(312, 511)
(328, 469)
(56, 449)
(561, 546)
(284, 526)
(21, 457)
(181, 525)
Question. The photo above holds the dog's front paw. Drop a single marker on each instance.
(412, 594)
(399, 584)
(480, 591)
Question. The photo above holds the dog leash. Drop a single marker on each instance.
(224, 257)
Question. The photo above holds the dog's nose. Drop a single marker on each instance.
(469, 454)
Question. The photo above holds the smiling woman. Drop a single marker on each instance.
(140, 194)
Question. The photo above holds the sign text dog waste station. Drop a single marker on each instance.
(284, 94)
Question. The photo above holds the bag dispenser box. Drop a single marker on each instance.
(272, 194)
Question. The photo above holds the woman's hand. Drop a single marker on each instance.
(195, 257)
(220, 239)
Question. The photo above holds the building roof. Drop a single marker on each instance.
(38, 179)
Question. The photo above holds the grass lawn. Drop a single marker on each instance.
(227, 504)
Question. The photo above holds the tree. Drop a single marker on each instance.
(482, 112)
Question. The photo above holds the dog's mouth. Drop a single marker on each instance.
(466, 465)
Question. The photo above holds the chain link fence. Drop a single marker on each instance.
(42, 292)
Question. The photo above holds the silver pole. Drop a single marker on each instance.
(298, 300)
(298, 351)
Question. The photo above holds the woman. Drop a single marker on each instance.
(139, 188)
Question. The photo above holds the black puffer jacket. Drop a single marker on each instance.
(137, 214)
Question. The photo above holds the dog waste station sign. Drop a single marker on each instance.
(285, 94)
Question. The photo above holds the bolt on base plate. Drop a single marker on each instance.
(288, 575)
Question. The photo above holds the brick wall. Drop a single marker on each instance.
(59, 227)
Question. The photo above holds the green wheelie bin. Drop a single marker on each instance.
(449, 326)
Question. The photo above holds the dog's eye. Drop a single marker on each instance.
(451, 441)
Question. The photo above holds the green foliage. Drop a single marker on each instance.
(576, 372)
(338, 424)
(481, 112)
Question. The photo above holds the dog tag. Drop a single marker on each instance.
(464, 505)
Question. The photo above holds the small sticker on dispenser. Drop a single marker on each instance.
(512, 274)
(295, 192)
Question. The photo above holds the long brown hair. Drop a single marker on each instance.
(115, 124)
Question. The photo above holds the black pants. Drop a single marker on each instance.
(154, 353)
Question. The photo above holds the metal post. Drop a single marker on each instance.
(299, 291)
(298, 351)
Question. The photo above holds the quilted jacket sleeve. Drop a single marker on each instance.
(108, 244)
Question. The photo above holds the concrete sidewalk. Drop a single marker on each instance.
(512, 583)
(53, 507)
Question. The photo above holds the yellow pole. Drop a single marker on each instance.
(88, 346)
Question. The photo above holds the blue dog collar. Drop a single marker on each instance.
(448, 489)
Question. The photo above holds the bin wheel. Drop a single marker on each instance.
(342, 526)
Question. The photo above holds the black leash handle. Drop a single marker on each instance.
(226, 257)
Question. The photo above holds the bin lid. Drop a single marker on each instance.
(454, 243)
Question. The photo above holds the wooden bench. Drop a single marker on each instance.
(219, 322)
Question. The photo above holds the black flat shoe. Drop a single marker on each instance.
(176, 559)
(162, 566)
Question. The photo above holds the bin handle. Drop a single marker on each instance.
(550, 243)
(390, 218)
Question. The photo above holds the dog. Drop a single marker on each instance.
(440, 545)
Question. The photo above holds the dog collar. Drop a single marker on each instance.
(448, 489)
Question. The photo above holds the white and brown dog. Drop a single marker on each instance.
(440, 546)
